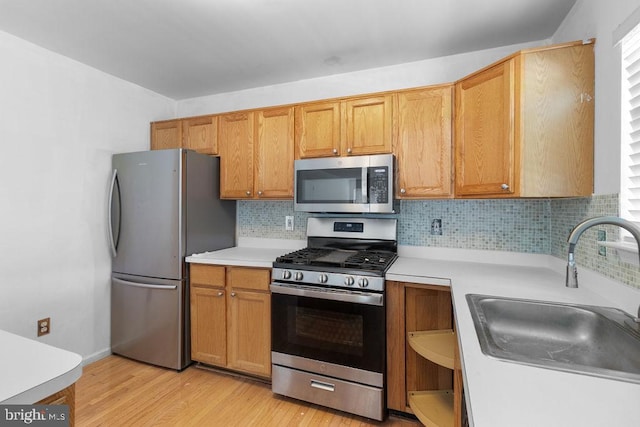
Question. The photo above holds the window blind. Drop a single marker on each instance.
(630, 170)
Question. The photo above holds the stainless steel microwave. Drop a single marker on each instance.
(357, 184)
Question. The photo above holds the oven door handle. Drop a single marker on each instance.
(346, 296)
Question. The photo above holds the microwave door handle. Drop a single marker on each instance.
(365, 185)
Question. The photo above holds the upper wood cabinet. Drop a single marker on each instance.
(317, 130)
(256, 154)
(194, 133)
(274, 153)
(201, 134)
(524, 126)
(354, 126)
(368, 125)
(166, 134)
(236, 139)
(422, 142)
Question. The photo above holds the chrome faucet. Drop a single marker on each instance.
(572, 271)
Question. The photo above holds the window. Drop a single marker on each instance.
(630, 167)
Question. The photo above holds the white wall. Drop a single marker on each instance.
(599, 19)
(60, 121)
(414, 74)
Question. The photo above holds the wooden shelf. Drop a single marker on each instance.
(436, 346)
(433, 408)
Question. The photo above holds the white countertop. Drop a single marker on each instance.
(249, 253)
(508, 394)
(501, 394)
(31, 370)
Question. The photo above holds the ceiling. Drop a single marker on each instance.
(188, 48)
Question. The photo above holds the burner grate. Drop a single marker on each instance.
(365, 260)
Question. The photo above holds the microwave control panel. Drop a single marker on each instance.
(378, 184)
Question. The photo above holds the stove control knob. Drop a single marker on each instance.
(349, 281)
(323, 278)
(363, 283)
(298, 276)
(286, 275)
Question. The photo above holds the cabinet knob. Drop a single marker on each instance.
(349, 150)
(259, 193)
(585, 97)
(335, 151)
(248, 193)
(505, 186)
(233, 294)
(403, 191)
(220, 293)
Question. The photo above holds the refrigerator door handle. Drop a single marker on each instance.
(112, 242)
(144, 285)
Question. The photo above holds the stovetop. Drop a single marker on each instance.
(373, 262)
(347, 253)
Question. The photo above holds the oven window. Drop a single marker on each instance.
(329, 186)
(330, 331)
(327, 330)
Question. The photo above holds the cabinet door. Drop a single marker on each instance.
(556, 121)
(422, 143)
(274, 153)
(250, 332)
(368, 125)
(208, 325)
(485, 144)
(201, 134)
(317, 130)
(208, 314)
(235, 144)
(166, 134)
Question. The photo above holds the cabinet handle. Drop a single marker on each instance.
(220, 293)
(585, 97)
(505, 186)
(248, 193)
(233, 294)
(259, 193)
(335, 151)
(349, 150)
(403, 191)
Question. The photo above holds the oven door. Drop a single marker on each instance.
(338, 327)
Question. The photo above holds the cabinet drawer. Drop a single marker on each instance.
(249, 278)
(207, 275)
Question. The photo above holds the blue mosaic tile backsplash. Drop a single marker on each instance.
(518, 225)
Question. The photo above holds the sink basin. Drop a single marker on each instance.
(589, 340)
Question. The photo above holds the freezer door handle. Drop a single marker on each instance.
(145, 285)
(112, 239)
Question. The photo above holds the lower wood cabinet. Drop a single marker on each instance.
(66, 396)
(423, 367)
(231, 317)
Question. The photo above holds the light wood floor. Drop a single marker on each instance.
(116, 391)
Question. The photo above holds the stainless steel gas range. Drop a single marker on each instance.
(328, 315)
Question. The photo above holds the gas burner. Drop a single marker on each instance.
(370, 260)
(303, 256)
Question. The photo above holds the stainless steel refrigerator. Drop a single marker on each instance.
(163, 205)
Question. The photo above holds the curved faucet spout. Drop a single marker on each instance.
(572, 271)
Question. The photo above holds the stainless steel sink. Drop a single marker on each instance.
(589, 340)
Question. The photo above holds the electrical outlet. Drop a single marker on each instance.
(288, 222)
(44, 326)
(436, 227)
(602, 236)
